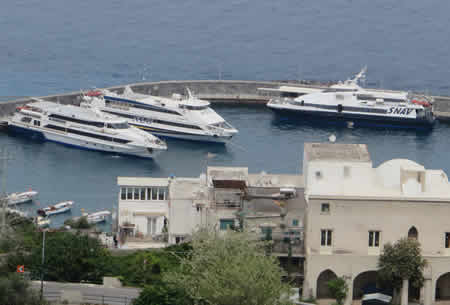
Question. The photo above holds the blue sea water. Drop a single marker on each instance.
(51, 46)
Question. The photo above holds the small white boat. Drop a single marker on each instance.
(97, 216)
(17, 212)
(56, 209)
(42, 222)
(18, 198)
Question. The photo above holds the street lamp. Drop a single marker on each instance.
(42, 264)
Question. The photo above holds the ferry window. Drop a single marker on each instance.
(136, 193)
(117, 125)
(326, 237)
(67, 118)
(447, 240)
(26, 120)
(161, 194)
(37, 123)
(154, 193)
(374, 238)
(142, 193)
(149, 193)
(129, 193)
(138, 105)
(123, 193)
(195, 107)
(325, 208)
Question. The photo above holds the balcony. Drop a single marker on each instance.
(283, 242)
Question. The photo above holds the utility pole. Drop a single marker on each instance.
(42, 265)
(3, 198)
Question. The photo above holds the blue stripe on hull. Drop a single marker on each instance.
(37, 135)
(358, 120)
(33, 134)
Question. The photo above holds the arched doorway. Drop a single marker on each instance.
(413, 233)
(365, 282)
(322, 288)
(443, 287)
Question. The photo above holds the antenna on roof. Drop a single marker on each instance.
(360, 76)
(190, 95)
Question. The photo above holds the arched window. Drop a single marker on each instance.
(412, 233)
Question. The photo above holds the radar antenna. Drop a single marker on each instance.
(190, 95)
(360, 76)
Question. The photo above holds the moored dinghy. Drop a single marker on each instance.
(42, 222)
(18, 198)
(97, 216)
(58, 208)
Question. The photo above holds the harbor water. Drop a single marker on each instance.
(265, 143)
(51, 47)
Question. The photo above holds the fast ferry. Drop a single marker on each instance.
(177, 117)
(352, 105)
(83, 128)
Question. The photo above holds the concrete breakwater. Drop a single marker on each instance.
(217, 91)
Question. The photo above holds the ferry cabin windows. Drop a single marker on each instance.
(123, 125)
(143, 193)
(374, 239)
(447, 240)
(74, 120)
(326, 238)
(25, 119)
(37, 123)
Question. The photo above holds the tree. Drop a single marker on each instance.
(146, 267)
(68, 257)
(162, 294)
(228, 269)
(402, 260)
(339, 289)
(14, 290)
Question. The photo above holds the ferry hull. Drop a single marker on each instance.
(40, 135)
(352, 120)
(184, 136)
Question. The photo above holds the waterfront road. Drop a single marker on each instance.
(86, 293)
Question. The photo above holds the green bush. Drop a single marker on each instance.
(339, 289)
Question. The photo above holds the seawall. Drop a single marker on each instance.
(217, 91)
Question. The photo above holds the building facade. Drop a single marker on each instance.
(155, 212)
(353, 209)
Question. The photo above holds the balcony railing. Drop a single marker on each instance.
(284, 241)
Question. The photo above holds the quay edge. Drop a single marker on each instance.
(233, 92)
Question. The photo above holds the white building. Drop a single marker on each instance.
(354, 208)
(155, 211)
(335, 218)
(143, 207)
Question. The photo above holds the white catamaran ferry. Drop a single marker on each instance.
(353, 105)
(83, 128)
(189, 119)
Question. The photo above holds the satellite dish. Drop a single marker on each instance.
(332, 138)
